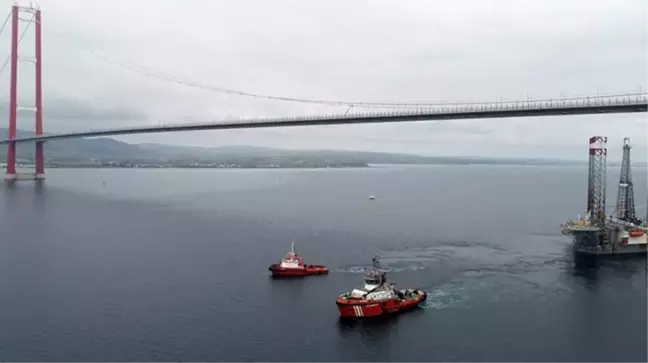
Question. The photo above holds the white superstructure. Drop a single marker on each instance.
(376, 286)
(292, 260)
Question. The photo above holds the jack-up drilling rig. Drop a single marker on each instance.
(619, 233)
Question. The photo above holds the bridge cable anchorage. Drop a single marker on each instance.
(19, 40)
(147, 71)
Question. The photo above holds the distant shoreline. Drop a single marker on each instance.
(188, 167)
(111, 153)
(342, 165)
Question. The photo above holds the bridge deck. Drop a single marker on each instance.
(582, 106)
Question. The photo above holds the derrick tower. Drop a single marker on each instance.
(625, 208)
(596, 180)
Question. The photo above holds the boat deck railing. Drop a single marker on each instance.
(578, 225)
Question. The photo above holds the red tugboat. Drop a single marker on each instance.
(378, 297)
(293, 265)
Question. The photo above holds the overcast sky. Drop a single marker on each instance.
(378, 51)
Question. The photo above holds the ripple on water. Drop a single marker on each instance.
(412, 258)
(446, 297)
(478, 271)
(487, 273)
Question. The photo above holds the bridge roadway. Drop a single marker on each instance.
(560, 107)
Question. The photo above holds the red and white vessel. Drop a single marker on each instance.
(378, 297)
(293, 265)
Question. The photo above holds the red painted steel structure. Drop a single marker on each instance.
(13, 95)
(13, 106)
(40, 157)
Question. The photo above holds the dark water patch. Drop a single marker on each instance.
(175, 268)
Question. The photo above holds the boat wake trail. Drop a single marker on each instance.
(457, 272)
(365, 269)
(413, 258)
(446, 298)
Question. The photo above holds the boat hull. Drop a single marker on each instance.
(589, 244)
(623, 250)
(278, 271)
(357, 308)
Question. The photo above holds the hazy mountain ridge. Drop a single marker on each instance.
(359, 156)
(110, 149)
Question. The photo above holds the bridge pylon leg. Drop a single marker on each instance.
(13, 107)
(40, 161)
(39, 155)
(11, 162)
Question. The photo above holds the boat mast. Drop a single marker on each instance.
(376, 263)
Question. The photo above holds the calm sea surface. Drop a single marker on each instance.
(172, 265)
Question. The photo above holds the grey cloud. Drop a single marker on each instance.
(70, 109)
(66, 114)
(357, 50)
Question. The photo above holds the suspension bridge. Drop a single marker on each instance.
(390, 113)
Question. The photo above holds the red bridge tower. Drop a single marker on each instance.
(13, 91)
